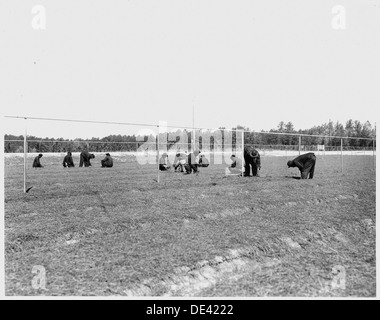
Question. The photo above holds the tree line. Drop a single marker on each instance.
(352, 129)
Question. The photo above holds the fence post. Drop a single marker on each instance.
(299, 145)
(242, 152)
(341, 151)
(158, 154)
(374, 157)
(25, 152)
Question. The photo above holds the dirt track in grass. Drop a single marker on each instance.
(118, 232)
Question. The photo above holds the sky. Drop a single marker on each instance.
(242, 62)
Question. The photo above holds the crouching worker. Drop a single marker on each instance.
(192, 166)
(180, 161)
(203, 162)
(68, 161)
(236, 166)
(305, 163)
(107, 162)
(251, 159)
(85, 157)
(36, 162)
(164, 163)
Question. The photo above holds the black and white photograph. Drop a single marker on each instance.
(165, 150)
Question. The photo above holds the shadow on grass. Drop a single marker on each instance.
(292, 177)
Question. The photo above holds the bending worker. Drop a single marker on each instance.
(251, 159)
(85, 158)
(305, 163)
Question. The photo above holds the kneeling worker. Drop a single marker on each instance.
(180, 161)
(305, 163)
(192, 166)
(164, 164)
(203, 162)
(107, 162)
(236, 166)
(68, 161)
(36, 162)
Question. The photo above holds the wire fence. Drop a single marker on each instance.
(215, 144)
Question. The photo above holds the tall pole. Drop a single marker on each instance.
(193, 130)
(374, 158)
(299, 145)
(158, 154)
(341, 151)
(373, 147)
(25, 151)
(242, 152)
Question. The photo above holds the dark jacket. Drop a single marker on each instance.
(191, 158)
(37, 163)
(68, 161)
(107, 162)
(251, 154)
(85, 157)
(301, 160)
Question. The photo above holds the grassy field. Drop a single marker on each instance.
(118, 232)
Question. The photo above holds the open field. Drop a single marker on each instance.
(118, 232)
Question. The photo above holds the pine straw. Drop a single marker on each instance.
(104, 232)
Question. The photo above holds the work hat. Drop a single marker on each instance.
(290, 163)
(40, 155)
(107, 154)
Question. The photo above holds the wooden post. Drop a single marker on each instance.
(193, 129)
(374, 157)
(242, 153)
(25, 155)
(341, 151)
(158, 154)
(299, 145)
(373, 150)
